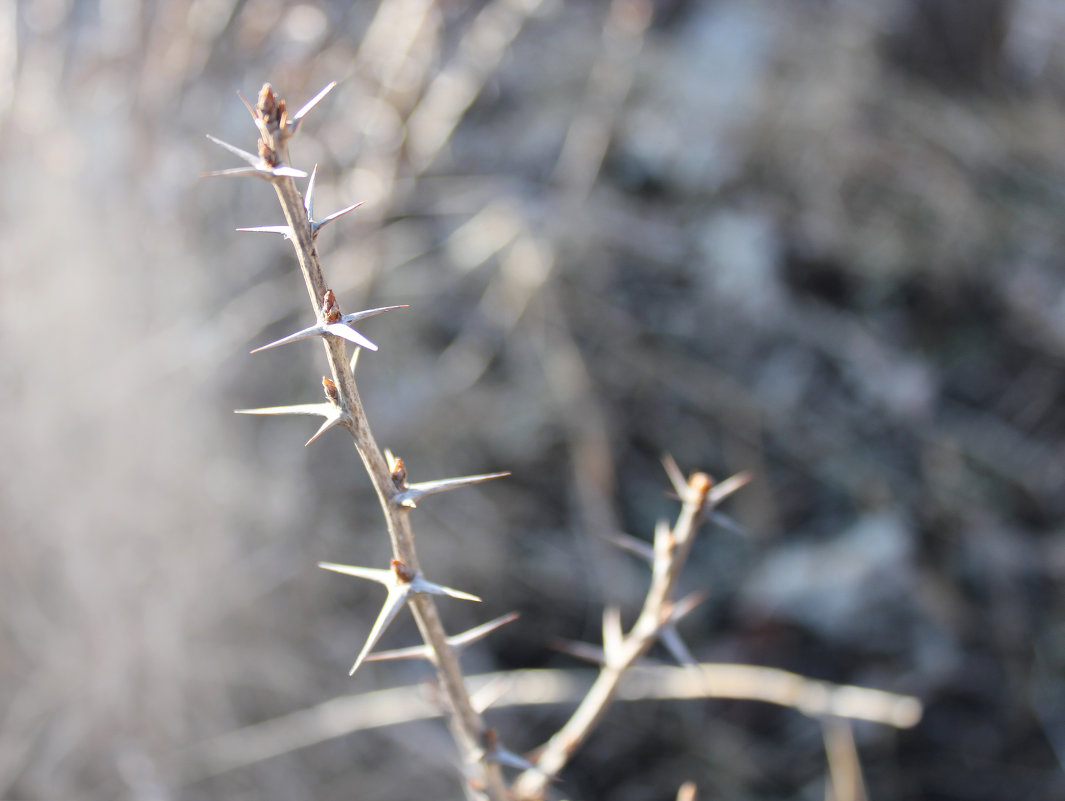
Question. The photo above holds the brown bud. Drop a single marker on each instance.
(330, 308)
(399, 474)
(267, 104)
(267, 154)
(403, 573)
(330, 389)
(700, 484)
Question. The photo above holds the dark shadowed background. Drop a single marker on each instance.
(821, 240)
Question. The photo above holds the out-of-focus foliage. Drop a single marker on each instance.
(819, 239)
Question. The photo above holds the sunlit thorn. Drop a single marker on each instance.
(396, 599)
(252, 159)
(402, 585)
(247, 104)
(284, 230)
(308, 200)
(326, 425)
(307, 107)
(420, 584)
(257, 165)
(332, 413)
(342, 328)
(458, 642)
(308, 206)
(409, 497)
(318, 225)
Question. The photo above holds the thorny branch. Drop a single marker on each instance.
(276, 128)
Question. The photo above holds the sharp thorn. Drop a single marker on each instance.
(310, 104)
(397, 598)
(381, 576)
(329, 423)
(306, 333)
(458, 641)
(415, 492)
(318, 225)
(284, 230)
(308, 201)
(350, 334)
(248, 106)
(236, 172)
(252, 159)
(287, 172)
(319, 409)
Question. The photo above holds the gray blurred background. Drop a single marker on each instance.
(819, 239)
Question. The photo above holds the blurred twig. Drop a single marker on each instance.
(845, 771)
(348, 714)
(622, 651)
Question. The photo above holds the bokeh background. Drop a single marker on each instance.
(818, 239)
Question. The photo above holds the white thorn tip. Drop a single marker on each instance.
(307, 107)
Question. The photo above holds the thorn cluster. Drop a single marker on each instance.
(271, 118)
(458, 641)
(333, 323)
(308, 207)
(402, 584)
(331, 410)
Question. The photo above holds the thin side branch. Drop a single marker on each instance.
(621, 652)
